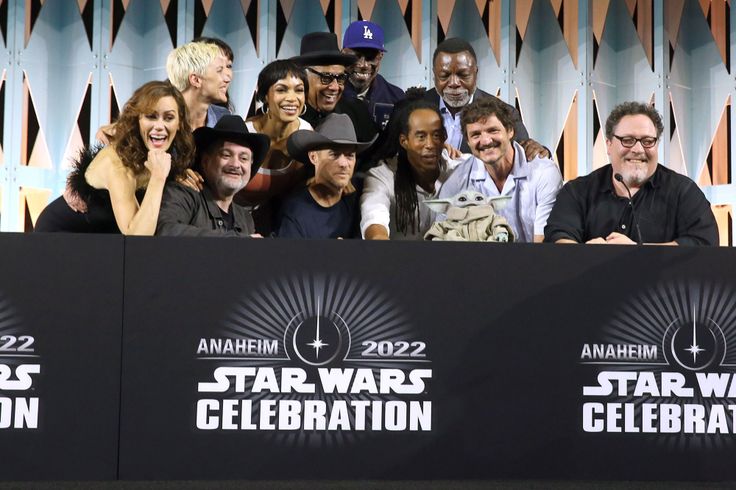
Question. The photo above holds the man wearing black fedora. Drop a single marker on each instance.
(328, 206)
(227, 155)
(326, 68)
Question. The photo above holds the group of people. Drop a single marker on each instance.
(336, 151)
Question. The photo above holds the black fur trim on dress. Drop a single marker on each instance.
(77, 180)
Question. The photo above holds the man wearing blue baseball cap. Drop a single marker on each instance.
(364, 40)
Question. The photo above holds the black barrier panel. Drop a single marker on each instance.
(60, 332)
(267, 359)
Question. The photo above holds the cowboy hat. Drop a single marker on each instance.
(335, 130)
(320, 49)
(232, 128)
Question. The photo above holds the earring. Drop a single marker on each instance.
(304, 109)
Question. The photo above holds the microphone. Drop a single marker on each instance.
(620, 178)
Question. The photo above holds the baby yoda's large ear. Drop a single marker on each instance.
(498, 202)
(438, 205)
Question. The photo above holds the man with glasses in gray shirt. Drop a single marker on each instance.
(634, 199)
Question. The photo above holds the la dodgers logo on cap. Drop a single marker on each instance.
(363, 34)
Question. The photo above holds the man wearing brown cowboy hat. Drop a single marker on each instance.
(327, 207)
(227, 155)
(325, 65)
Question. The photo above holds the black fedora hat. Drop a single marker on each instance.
(320, 48)
(232, 128)
(335, 130)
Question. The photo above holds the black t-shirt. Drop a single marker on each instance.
(302, 217)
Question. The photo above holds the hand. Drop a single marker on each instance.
(596, 241)
(159, 164)
(532, 149)
(618, 239)
(192, 180)
(452, 152)
(255, 235)
(74, 201)
(104, 134)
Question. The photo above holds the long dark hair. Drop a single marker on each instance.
(407, 204)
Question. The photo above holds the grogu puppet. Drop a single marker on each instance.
(471, 217)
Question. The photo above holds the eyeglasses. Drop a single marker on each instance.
(630, 141)
(370, 55)
(327, 78)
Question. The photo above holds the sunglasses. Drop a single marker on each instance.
(370, 55)
(327, 78)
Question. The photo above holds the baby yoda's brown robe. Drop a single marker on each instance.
(471, 224)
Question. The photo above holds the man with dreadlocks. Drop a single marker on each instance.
(412, 168)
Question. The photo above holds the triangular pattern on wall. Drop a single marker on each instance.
(251, 20)
(365, 8)
(328, 6)
(33, 10)
(81, 131)
(118, 13)
(87, 10)
(281, 22)
(717, 168)
(444, 15)
(168, 7)
(253, 109)
(724, 220)
(676, 160)
(4, 20)
(411, 19)
(2, 113)
(114, 106)
(33, 201)
(523, 11)
(600, 156)
(30, 123)
(718, 19)
(567, 145)
(200, 17)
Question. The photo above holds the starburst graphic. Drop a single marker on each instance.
(329, 317)
(655, 316)
(694, 348)
(317, 342)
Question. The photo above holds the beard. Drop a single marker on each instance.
(456, 98)
(361, 81)
(635, 176)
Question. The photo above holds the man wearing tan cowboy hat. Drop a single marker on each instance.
(227, 155)
(326, 68)
(328, 206)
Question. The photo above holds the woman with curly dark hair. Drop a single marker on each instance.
(121, 185)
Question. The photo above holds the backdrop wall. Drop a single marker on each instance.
(69, 65)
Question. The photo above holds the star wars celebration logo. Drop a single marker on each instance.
(666, 366)
(317, 358)
(19, 369)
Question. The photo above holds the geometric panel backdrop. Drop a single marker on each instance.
(69, 65)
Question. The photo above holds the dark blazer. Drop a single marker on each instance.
(520, 132)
